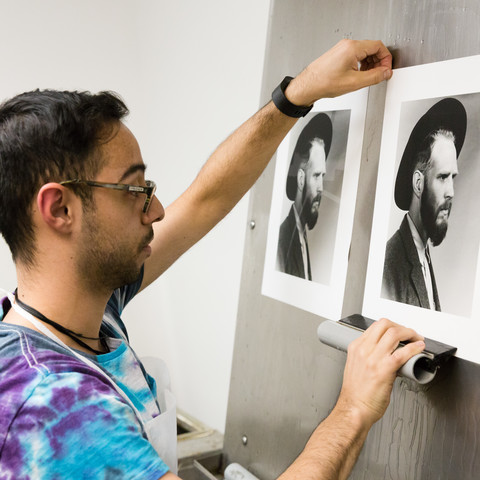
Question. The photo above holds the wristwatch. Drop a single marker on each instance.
(284, 105)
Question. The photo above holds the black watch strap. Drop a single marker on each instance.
(284, 105)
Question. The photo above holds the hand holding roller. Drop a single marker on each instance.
(421, 368)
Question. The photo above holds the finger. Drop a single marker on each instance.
(373, 76)
(376, 331)
(384, 336)
(401, 355)
(374, 48)
(367, 343)
(394, 335)
(373, 62)
(369, 63)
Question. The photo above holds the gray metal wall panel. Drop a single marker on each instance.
(284, 382)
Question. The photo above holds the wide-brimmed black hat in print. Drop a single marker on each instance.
(320, 126)
(447, 114)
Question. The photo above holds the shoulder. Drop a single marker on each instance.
(393, 245)
(75, 424)
(287, 228)
(289, 221)
(396, 244)
(32, 373)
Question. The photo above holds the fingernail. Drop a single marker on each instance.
(387, 74)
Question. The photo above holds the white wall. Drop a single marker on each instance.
(190, 72)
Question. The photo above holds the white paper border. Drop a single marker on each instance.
(320, 299)
(442, 79)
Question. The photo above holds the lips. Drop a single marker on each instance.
(316, 202)
(444, 210)
(145, 245)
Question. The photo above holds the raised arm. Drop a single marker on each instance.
(372, 362)
(238, 161)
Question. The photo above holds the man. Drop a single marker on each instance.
(424, 187)
(304, 188)
(87, 233)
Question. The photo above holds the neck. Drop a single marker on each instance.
(63, 300)
(299, 218)
(417, 221)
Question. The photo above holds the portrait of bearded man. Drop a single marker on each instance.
(424, 188)
(304, 187)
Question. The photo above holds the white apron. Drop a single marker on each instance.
(161, 431)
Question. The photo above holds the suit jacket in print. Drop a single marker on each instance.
(403, 279)
(289, 253)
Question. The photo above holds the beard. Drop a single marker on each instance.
(435, 227)
(104, 262)
(309, 213)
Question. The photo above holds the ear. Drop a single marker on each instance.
(54, 206)
(418, 180)
(300, 179)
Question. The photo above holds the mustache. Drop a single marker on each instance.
(148, 238)
(446, 205)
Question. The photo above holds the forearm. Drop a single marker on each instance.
(372, 362)
(237, 163)
(221, 183)
(332, 450)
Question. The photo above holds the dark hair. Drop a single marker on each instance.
(48, 136)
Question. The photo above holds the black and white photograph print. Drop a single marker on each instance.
(311, 215)
(312, 197)
(426, 234)
(431, 168)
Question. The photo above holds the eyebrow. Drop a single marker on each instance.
(133, 169)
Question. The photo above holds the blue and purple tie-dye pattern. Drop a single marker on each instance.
(60, 418)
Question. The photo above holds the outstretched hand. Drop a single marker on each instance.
(372, 364)
(348, 66)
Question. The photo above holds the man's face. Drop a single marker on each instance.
(115, 233)
(312, 191)
(110, 261)
(436, 201)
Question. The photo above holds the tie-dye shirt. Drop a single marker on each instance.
(61, 419)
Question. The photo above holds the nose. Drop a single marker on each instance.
(450, 191)
(320, 184)
(155, 212)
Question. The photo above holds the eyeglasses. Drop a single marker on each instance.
(148, 190)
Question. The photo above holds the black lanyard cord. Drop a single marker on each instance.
(73, 335)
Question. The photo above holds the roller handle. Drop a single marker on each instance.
(340, 336)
